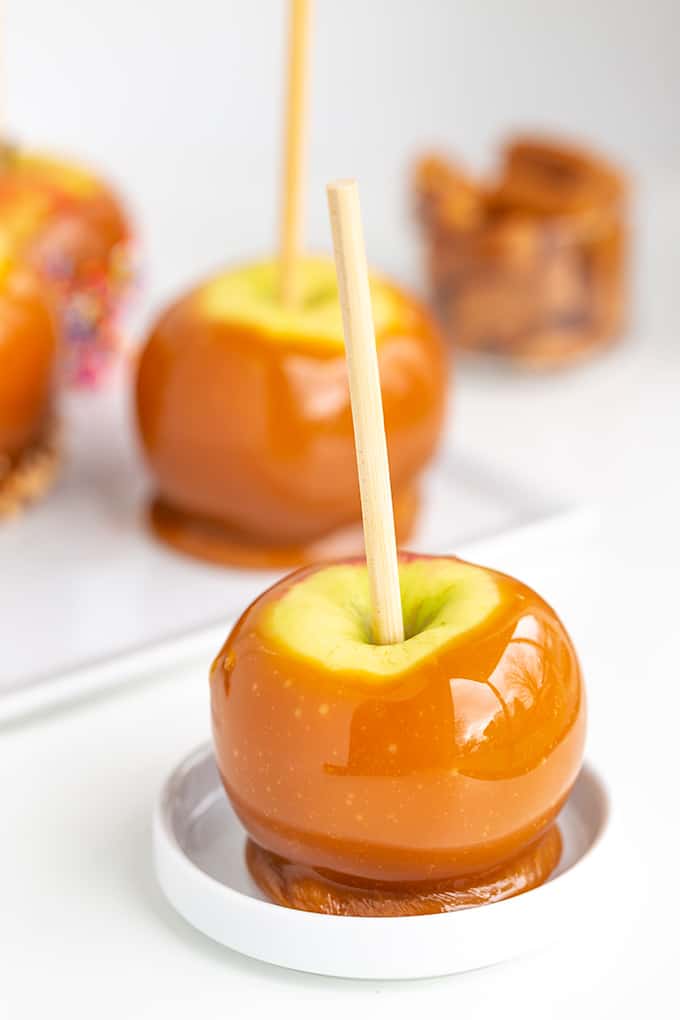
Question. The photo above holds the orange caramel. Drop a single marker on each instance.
(249, 438)
(430, 790)
(323, 892)
(28, 355)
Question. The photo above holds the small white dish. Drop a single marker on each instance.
(199, 860)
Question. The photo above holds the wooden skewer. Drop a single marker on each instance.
(294, 143)
(367, 411)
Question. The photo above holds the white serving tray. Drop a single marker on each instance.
(89, 599)
(199, 859)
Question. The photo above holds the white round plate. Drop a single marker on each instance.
(199, 859)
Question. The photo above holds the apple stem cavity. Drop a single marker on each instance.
(295, 134)
(367, 412)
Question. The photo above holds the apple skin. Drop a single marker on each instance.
(256, 434)
(28, 360)
(448, 769)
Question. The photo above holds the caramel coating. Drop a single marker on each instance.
(253, 436)
(28, 358)
(445, 776)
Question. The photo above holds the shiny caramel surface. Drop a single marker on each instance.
(252, 432)
(28, 353)
(449, 769)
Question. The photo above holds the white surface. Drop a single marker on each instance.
(199, 857)
(180, 103)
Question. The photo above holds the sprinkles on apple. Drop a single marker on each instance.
(69, 226)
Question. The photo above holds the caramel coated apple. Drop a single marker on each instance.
(244, 413)
(28, 363)
(70, 227)
(409, 778)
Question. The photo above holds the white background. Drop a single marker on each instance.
(180, 102)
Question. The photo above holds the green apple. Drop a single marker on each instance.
(250, 296)
(326, 616)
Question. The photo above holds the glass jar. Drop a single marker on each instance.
(532, 265)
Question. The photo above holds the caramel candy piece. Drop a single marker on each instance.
(448, 197)
(553, 178)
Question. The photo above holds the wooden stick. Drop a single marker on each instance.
(294, 143)
(367, 411)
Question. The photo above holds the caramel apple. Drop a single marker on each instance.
(244, 414)
(28, 362)
(397, 735)
(65, 222)
(415, 777)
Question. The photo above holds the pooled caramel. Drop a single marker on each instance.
(304, 888)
